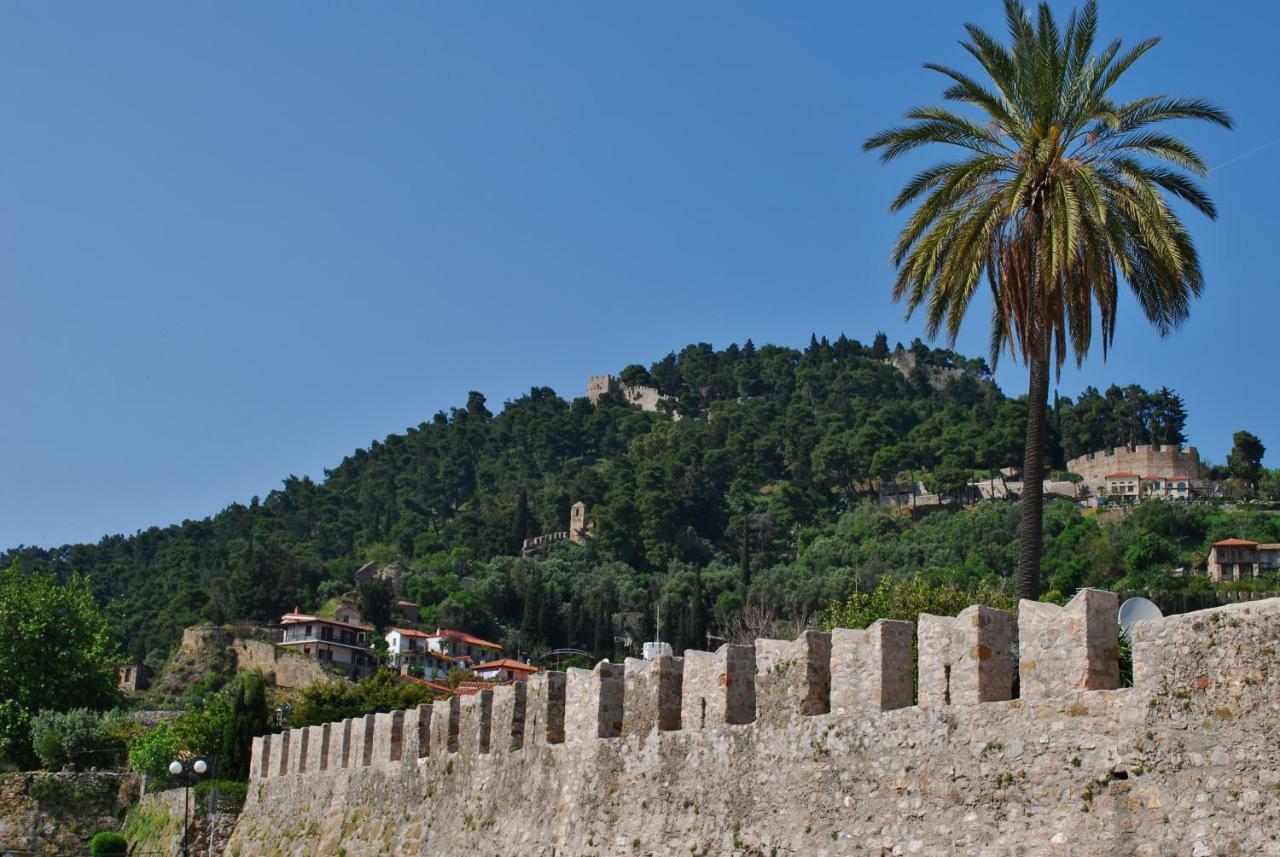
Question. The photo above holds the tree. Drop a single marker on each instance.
(1245, 459)
(249, 718)
(1061, 193)
(58, 654)
(375, 599)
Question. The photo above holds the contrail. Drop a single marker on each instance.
(1245, 155)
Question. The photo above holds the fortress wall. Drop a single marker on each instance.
(793, 676)
(417, 732)
(544, 709)
(444, 725)
(651, 698)
(593, 702)
(718, 687)
(340, 744)
(317, 747)
(1185, 762)
(1145, 460)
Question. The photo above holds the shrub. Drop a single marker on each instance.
(108, 844)
(60, 738)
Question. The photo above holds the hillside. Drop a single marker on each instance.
(741, 497)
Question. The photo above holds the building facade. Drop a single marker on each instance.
(342, 644)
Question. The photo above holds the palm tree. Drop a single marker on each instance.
(1061, 192)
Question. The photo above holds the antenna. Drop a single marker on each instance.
(1136, 610)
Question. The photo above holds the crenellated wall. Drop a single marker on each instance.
(816, 747)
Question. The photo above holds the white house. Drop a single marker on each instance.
(344, 644)
(409, 647)
(504, 669)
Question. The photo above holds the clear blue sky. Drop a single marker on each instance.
(240, 240)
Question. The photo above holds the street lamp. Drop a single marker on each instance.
(198, 768)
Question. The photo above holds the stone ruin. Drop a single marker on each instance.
(844, 742)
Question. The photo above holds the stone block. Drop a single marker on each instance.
(793, 677)
(544, 709)
(966, 659)
(593, 702)
(718, 687)
(475, 722)
(1070, 648)
(872, 669)
(509, 702)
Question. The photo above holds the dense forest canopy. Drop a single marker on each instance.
(757, 492)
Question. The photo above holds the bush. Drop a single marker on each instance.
(73, 737)
(108, 844)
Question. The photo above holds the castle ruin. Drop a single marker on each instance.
(640, 396)
(817, 747)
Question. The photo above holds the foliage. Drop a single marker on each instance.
(58, 654)
(907, 598)
(81, 737)
(196, 733)
(327, 701)
(249, 718)
(108, 843)
(1245, 459)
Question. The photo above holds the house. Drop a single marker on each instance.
(134, 676)
(504, 669)
(1268, 558)
(1166, 487)
(348, 612)
(460, 645)
(407, 647)
(1234, 559)
(1123, 485)
(331, 641)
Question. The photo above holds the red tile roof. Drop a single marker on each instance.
(1120, 474)
(410, 632)
(1235, 543)
(466, 638)
(505, 664)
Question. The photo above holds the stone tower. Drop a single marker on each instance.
(578, 529)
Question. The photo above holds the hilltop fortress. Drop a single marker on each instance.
(1142, 460)
(814, 747)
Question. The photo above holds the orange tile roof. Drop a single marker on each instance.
(1235, 543)
(505, 664)
(1120, 474)
(464, 637)
(410, 632)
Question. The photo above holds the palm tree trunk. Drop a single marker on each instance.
(1031, 525)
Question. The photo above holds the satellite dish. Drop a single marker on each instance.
(1137, 610)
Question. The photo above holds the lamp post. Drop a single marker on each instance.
(197, 768)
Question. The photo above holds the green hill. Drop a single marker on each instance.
(753, 493)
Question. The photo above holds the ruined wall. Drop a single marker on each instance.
(290, 669)
(1143, 459)
(58, 813)
(1185, 762)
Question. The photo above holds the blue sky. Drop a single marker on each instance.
(240, 240)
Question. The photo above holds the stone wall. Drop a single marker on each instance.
(290, 669)
(1185, 762)
(156, 824)
(55, 813)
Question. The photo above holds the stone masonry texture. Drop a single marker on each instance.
(1185, 762)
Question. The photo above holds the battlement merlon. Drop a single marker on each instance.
(444, 726)
(544, 709)
(475, 723)
(1064, 649)
(793, 677)
(966, 659)
(719, 687)
(509, 707)
(652, 695)
(593, 702)
(872, 669)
